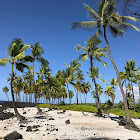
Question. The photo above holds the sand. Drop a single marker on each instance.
(81, 127)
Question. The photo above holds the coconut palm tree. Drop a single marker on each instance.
(85, 88)
(131, 69)
(94, 74)
(108, 17)
(79, 77)
(6, 90)
(93, 52)
(37, 51)
(16, 53)
(137, 77)
(110, 91)
(113, 83)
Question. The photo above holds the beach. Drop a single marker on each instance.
(62, 125)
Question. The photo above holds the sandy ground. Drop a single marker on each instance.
(81, 127)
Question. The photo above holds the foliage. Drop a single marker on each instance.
(121, 105)
(121, 112)
(108, 104)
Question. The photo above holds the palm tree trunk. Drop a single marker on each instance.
(133, 95)
(99, 113)
(35, 95)
(77, 97)
(129, 122)
(19, 117)
(139, 90)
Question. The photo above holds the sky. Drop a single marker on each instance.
(49, 23)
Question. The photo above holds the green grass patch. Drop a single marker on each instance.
(120, 112)
(90, 108)
(85, 108)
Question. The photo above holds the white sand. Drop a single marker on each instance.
(81, 127)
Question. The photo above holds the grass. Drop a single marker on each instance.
(120, 112)
(90, 108)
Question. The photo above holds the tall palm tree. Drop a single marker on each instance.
(108, 17)
(16, 53)
(95, 75)
(6, 90)
(79, 77)
(130, 69)
(93, 52)
(37, 51)
(137, 77)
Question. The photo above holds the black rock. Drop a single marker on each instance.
(13, 136)
(43, 134)
(22, 125)
(67, 122)
(56, 129)
(24, 112)
(64, 110)
(122, 123)
(36, 126)
(36, 130)
(5, 115)
(51, 118)
(29, 129)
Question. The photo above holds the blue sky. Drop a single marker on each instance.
(49, 23)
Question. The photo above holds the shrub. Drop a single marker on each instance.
(121, 105)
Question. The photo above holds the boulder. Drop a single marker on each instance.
(13, 136)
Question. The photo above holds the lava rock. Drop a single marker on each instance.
(67, 122)
(29, 129)
(13, 136)
(24, 112)
(22, 125)
(51, 118)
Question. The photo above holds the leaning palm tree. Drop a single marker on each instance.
(108, 17)
(6, 90)
(16, 53)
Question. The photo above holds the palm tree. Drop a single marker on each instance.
(94, 52)
(85, 88)
(37, 51)
(110, 92)
(95, 75)
(130, 69)
(107, 17)
(16, 53)
(137, 77)
(6, 90)
(113, 83)
(79, 77)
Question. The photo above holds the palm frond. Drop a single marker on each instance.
(125, 25)
(84, 58)
(104, 64)
(92, 13)
(115, 31)
(19, 56)
(79, 47)
(27, 58)
(130, 17)
(24, 48)
(83, 25)
(4, 61)
(102, 80)
(21, 66)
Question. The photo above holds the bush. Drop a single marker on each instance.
(121, 105)
(138, 107)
